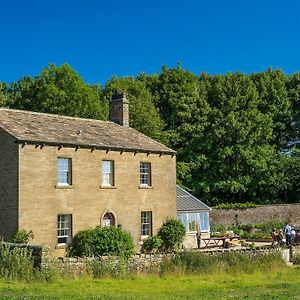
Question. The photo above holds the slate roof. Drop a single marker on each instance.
(186, 202)
(40, 128)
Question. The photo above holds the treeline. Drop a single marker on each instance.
(236, 135)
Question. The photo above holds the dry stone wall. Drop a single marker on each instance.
(261, 214)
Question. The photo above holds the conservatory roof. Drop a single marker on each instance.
(186, 202)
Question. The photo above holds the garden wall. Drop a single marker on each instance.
(261, 214)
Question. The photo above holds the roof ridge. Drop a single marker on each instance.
(52, 115)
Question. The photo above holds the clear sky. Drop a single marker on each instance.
(101, 38)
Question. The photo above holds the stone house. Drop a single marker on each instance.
(59, 175)
(194, 214)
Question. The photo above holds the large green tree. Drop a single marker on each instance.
(275, 101)
(58, 90)
(237, 144)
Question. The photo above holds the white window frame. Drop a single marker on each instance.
(145, 174)
(107, 175)
(64, 171)
(146, 224)
(64, 229)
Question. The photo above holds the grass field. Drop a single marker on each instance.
(283, 284)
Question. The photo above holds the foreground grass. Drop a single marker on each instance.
(282, 284)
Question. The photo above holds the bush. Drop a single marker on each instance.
(296, 260)
(152, 244)
(172, 234)
(22, 237)
(235, 205)
(102, 241)
(15, 263)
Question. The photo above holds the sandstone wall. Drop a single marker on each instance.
(41, 200)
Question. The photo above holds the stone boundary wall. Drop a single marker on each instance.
(261, 214)
(142, 263)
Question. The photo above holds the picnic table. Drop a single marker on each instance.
(218, 241)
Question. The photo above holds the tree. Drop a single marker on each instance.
(58, 90)
(274, 101)
(293, 87)
(3, 98)
(237, 150)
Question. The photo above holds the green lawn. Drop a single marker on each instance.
(276, 285)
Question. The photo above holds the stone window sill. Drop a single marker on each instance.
(142, 186)
(62, 186)
(61, 246)
(108, 187)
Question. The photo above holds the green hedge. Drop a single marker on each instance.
(102, 241)
(235, 205)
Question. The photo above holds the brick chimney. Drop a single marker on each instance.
(119, 110)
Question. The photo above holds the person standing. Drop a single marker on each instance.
(288, 234)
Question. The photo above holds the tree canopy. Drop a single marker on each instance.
(58, 90)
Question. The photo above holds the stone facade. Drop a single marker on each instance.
(41, 201)
(261, 214)
(9, 162)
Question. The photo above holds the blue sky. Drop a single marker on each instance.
(101, 38)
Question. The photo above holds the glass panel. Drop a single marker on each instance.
(145, 173)
(183, 218)
(63, 229)
(63, 170)
(146, 226)
(193, 221)
(204, 217)
(108, 172)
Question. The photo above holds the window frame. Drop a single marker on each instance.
(145, 176)
(111, 173)
(67, 171)
(67, 230)
(146, 224)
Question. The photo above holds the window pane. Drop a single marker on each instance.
(64, 231)
(194, 224)
(184, 219)
(108, 172)
(204, 217)
(64, 171)
(146, 223)
(145, 173)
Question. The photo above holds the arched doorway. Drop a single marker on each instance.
(108, 219)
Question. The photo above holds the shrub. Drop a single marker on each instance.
(152, 244)
(102, 241)
(15, 263)
(296, 260)
(235, 205)
(22, 237)
(172, 234)
(83, 243)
